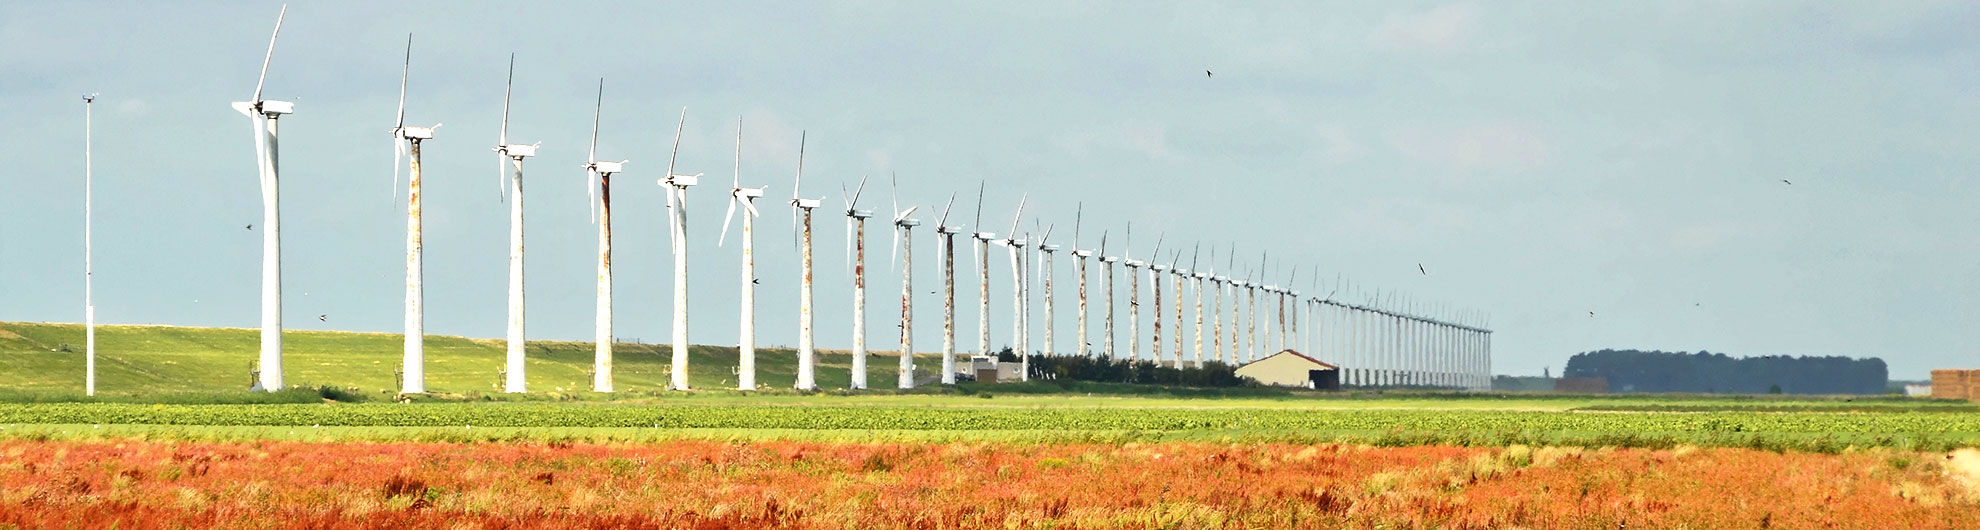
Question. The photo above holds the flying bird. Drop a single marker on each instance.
(1785, 181)
(250, 227)
(1591, 314)
(323, 318)
(1419, 268)
(1207, 74)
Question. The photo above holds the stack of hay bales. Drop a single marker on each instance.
(1956, 384)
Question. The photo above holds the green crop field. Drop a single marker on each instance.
(190, 383)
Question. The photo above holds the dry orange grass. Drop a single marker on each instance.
(135, 484)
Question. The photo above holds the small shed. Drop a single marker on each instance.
(1294, 369)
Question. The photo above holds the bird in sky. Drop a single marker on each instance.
(1207, 74)
(323, 318)
(1419, 268)
(250, 227)
(1591, 314)
(1785, 181)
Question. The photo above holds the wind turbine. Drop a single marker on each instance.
(601, 171)
(1047, 273)
(509, 163)
(801, 207)
(265, 114)
(1019, 342)
(982, 249)
(1216, 310)
(408, 139)
(89, 284)
(676, 186)
(1107, 272)
(946, 239)
(1134, 298)
(1199, 276)
(1083, 348)
(855, 216)
(1155, 270)
(1176, 275)
(906, 225)
(745, 197)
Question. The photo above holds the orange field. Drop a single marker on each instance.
(148, 484)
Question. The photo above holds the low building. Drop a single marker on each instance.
(1293, 369)
(1918, 390)
(1582, 385)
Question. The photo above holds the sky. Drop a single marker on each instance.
(1753, 178)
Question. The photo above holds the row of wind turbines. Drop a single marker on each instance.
(1380, 340)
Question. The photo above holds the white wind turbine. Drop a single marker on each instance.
(89, 283)
(745, 197)
(856, 253)
(601, 172)
(1198, 275)
(1176, 275)
(1155, 273)
(945, 237)
(1019, 343)
(801, 207)
(1107, 275)
(1134, 297)
(1216, 308)
(265, 114)
(982, 250)
(509, 167)
(1047, 273)
(1083, 348)
(676, 187)
(904, 242)
(408, 139)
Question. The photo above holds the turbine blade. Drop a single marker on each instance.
(736, 182)
(751, 208)
(849, 244)
(271, 53)
(1078, 210)
(398, 155)
(677, 145)
(894, 251)
(796, 187)
(1020, 214)
(403, 74)
(894, 194)
(591, 153)
(730, 216)
(978, 224)
(502, 141)
(857, 191)
(945, 212)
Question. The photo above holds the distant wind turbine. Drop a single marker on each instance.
(745, 197)
(856, 253)
(407, 140)
(807, 376)
(676, 186)
(509, 164)
(89, 280)
(904, 240)
(601, 172)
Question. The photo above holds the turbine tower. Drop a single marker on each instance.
(1199, 276)
(745, 197)
(801, 207)
(905, 232)
(676, 187)
(1083, 348)
(1155, 270)
(1217, 282)
(982, 250)
(265, 114)
(89, 284)
(1047, 272)
(856, 229)
(945, 237)
(509, 167)
(1134, 298)
(1020, 344)
(1176, 275)
(601, 172)
(1107, 274)
(408, 139)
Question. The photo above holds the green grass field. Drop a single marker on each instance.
(159, 382)
(170, 359)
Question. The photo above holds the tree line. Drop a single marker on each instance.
(1707, 372)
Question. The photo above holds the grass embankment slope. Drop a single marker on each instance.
(173, 359)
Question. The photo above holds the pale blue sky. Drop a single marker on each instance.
(1542, 160)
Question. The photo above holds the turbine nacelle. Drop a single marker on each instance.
(807, 203)
(747, 193)
(518, 150)
(1107, 259)
(1199, 275)
(985, 236)
(1082, 253)
(948, 230)
(682, 180)
(606, 168)
(414, 133)
(907, 223)
(1049, 248)
(1131, 262)
(1220, 279)
(1157, 267)
(860, 214)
